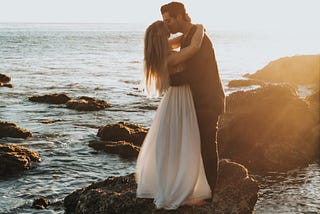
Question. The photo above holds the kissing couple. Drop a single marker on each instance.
(178, 161)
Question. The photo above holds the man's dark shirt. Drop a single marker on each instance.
(201, 73)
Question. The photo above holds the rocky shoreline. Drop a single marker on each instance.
(236, 192)
(269, 128)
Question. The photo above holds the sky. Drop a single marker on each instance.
(296, 15)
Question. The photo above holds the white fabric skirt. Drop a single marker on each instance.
(169, 166)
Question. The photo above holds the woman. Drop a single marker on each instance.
(169, 167)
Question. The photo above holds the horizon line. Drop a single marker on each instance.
(210, 27)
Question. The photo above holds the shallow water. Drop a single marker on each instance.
(296, 191)
(105, 61)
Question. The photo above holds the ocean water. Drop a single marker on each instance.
(105, 61)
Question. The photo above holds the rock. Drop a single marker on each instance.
(236, 192)
(87, 104)
(313, 138)
(123, 132)
(244, 83)
(266, 129)
(301, 70)
(4, 81)
(40, 203)
(8, 85)
(48, 121)
(314, 103)
(51, 98)
(123, 148)
(4, 78)
(15, 159)
(12, 130)
(314, 99)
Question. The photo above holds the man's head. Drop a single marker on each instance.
(175, 16)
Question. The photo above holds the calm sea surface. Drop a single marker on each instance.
(105, 61)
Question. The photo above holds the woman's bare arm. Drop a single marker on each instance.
(176, 58)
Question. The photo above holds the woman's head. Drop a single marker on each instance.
(156, 49)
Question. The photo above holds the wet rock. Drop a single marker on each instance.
(48, 121)
(244, 83)
(236, 192)
(15, 159)
(123, 132)
(12, 130)
(4, 78)
(301, 70)
(267, 129)
(87, 104)
(51, 98)
(8, 85)
(123, 148)
(40, 203)
(4, 81)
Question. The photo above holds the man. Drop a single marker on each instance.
(201, 73)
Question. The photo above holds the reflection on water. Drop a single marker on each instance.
(67, 164)
(296, 191)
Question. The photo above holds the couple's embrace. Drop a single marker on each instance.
(178, 161)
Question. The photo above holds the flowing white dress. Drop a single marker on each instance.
(169, 166)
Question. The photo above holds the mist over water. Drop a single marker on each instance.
(105, 61)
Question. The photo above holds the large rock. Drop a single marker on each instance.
(268, 129)
(122, 148)
(12, 130)
(87, 104)
(301, 70)
(51, 98)
(123, 132)
(15, 159)
(314, 103)
(236, 192)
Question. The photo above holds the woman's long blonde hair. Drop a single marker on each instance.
(156, 49)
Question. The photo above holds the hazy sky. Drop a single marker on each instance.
(220, 14)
